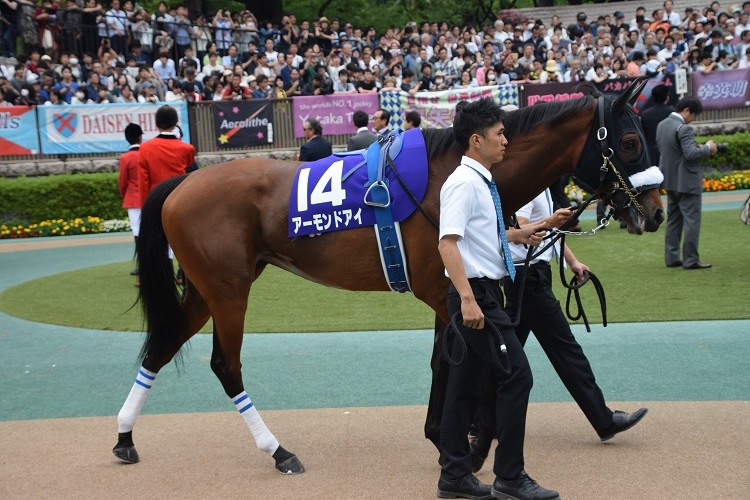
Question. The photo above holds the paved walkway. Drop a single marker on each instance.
(352, 405)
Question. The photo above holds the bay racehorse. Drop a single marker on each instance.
(227, 222)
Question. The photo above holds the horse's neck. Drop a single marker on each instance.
(534, 161)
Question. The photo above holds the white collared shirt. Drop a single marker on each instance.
(362, 129)
(536, 210)
(467, 210)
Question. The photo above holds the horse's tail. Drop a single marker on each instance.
(159, 296)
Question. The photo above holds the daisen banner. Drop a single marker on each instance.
(438, 108)
(18, 131)
(99, 128)
(240, 124)
(722, 89)
(333, 111)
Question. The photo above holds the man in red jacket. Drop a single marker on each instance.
(165, 156)
(128, 180)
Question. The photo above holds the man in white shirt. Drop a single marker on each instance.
(542, 315)
(117, 23)
(670, 15)
(470, 247)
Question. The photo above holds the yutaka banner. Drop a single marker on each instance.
(239, 124)
(333, 111)
(99, 128)
(722, 89)
(437, 109)
(18, 131)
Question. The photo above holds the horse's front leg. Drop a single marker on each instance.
(225, 363)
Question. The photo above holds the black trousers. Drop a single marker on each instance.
(541, 313)
(466, 384)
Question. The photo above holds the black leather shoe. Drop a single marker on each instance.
(522, 488)
(622, 421)
(699, 265)
(677, 263)
(466, 487)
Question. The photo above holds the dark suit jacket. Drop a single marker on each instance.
(361, 140)
(315, 149)
(650, 118)
(681, 156)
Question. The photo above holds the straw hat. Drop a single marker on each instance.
(550, 66)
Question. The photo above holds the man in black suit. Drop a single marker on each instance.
(363, 138)
(316, 147)
(651, 117)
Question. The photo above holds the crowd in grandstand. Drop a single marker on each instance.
(78, 51)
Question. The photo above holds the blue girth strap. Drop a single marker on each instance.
(378, 196)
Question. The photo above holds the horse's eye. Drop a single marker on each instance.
(630, 147)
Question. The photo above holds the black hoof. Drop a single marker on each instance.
(287, 462)
(126, 455)
(124, 450)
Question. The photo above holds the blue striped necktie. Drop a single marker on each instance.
(501, 227)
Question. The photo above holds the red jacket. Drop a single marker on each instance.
(128, 180)
(161, 158)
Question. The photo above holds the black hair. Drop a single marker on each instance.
(475, 118)
(360, 118)
(414, 118)
(660, 93)
(691, 103)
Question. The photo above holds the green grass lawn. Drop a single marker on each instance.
(638, 287)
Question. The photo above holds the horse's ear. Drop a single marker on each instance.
(623, 100)
(637, 92)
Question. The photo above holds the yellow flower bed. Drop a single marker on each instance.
(57, 227)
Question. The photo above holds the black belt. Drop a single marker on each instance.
(484, 280)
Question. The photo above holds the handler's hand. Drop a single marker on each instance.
(472, 314)
(560, 217)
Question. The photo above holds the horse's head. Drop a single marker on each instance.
(625, 178)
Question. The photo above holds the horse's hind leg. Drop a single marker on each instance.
(225, 363)
(196, 313)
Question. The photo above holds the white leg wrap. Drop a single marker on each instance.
(133, 405)
(263, 437)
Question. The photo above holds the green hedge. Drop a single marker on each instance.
(736, 158)
(34, 199)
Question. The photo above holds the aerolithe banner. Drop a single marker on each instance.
(333, 111)
(722, 89)
(18, 131)
(438, 108)
(239, 124)
(100, 128)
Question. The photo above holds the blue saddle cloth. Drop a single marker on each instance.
(329, 194)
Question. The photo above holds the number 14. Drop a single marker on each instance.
(335, 195)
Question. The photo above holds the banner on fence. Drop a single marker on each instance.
(438, 108)
(333, 111)
(99, 128)
(551, 92)
(240, 124)
(722, 89)
(18, 131)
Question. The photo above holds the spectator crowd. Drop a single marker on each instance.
(78, 51)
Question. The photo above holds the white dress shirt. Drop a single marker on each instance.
(467, 211)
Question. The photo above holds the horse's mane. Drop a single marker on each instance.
(518, 122)
(439, 141)
(521, 121)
